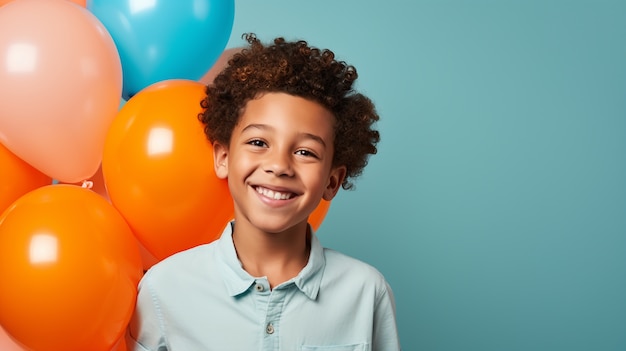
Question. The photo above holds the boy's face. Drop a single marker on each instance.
(279, 161)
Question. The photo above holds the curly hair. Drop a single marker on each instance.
(300, 70)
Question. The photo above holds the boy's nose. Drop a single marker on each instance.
(279, 164)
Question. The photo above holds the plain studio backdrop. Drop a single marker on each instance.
(496, 206)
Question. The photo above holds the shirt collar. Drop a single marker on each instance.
(238, 281)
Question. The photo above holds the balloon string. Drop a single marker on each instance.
(87, 184)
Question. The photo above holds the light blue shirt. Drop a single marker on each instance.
(202, 299)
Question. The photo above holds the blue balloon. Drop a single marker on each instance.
(165, 39)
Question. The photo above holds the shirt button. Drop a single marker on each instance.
(259, 287)
(269, 329)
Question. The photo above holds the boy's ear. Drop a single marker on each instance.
(337, 175)
(220, 160)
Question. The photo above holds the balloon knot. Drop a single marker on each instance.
(88, 184)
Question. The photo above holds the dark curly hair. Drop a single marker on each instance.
(297, 69)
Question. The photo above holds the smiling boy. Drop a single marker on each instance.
(287, 131)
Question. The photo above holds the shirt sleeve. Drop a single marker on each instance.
(385, 334)
(145, 330)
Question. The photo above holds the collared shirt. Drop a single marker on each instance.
(202, 299)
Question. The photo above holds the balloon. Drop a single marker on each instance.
(98, 186)
(147, 259)
(316, 218)
(95, 183)
(78, 2)
(219, 65)
(69, 269)
(158, 169)
(60, 83)
(121, 345)
(17, 178)
(7, 343)
(161, 40)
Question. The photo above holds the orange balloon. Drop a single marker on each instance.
(17, 178)
(147, 259)
(98, 186)
(121, 345)
(317, 217)
(69, 269)
(158, 169)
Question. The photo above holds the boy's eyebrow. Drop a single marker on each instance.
(315, 138)
(260, 126)
(256, 126)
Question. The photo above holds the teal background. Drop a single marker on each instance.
(496, 206)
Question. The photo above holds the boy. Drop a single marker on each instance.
(287, 131)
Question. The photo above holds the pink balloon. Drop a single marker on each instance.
(7, 343)
(82, 3)
(60, 86)
(95, 183)
(219, 65)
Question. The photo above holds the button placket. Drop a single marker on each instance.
(273, 312)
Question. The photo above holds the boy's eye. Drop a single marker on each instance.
(257, 142)
(304, 152)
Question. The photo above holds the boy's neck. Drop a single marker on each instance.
(277, 256)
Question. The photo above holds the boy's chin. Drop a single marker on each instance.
(276, 225)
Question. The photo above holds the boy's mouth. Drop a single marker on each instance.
(273, 194)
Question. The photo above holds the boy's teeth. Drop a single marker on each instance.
(273, 194)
